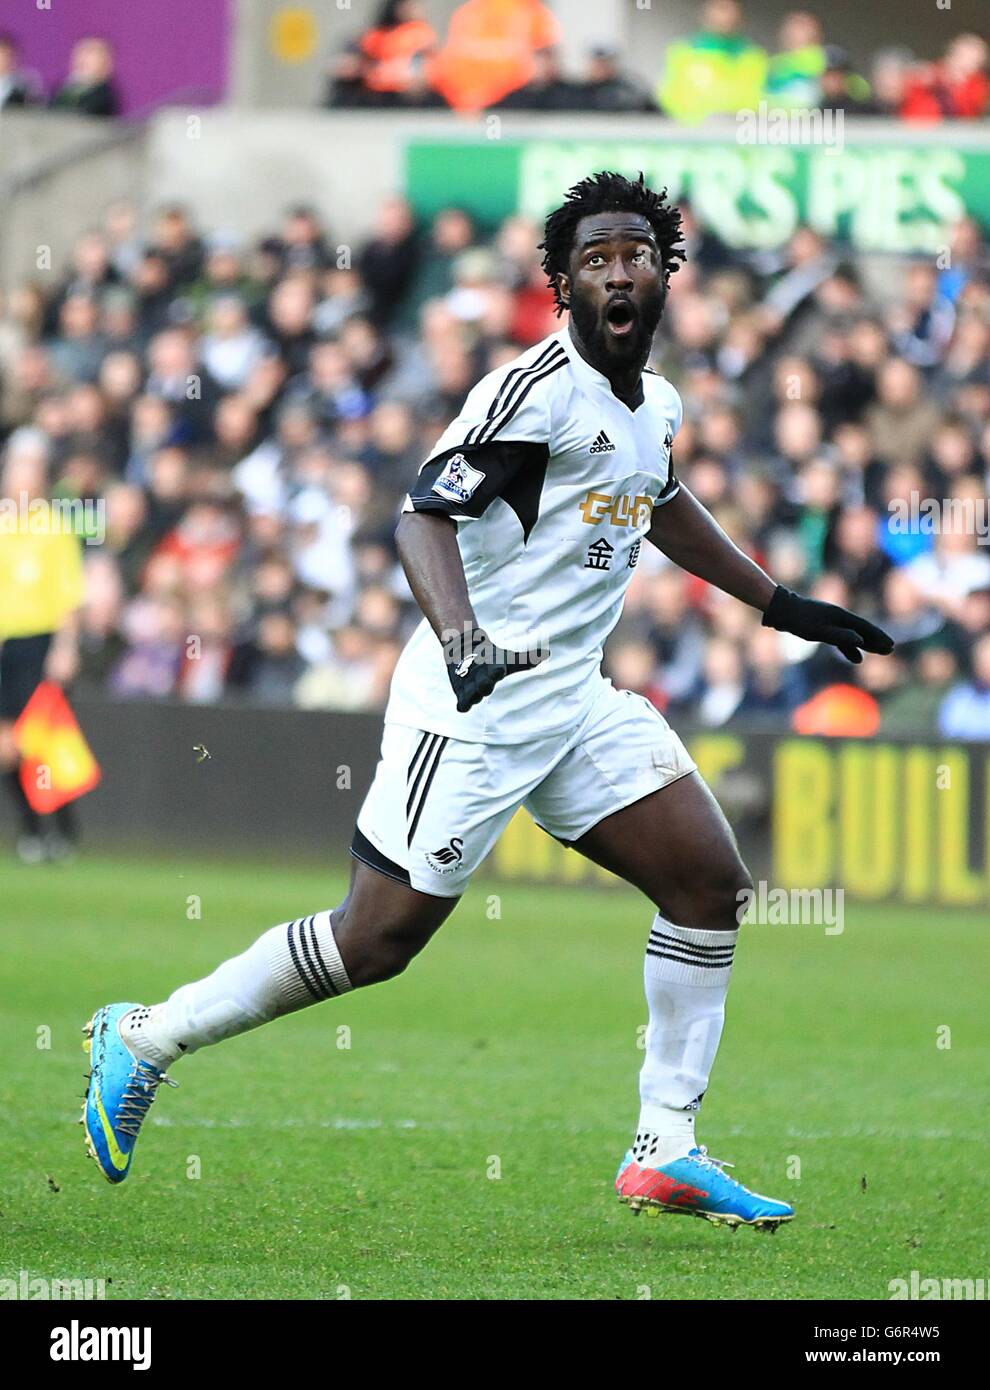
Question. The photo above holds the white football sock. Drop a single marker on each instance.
(686, 974)
(288, 968)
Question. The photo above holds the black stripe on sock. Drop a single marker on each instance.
(682, 960)
(300, 971)
(329, 986)
(690, 955)
(661, 938)
(306, 924)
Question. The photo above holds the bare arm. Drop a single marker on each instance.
(427, 545)
(690, 536)
(430, 556)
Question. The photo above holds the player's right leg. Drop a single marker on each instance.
(371, 936)
(434, 810)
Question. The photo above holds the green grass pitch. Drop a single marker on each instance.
(508, 1048)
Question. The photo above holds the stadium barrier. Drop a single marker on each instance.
(885, 820)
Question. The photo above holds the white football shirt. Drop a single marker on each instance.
(552, 481)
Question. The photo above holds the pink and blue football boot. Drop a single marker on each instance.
(696, 1185)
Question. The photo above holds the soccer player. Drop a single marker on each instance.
(519, 537)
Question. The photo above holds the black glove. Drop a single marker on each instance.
(475, 666)
(825, 622)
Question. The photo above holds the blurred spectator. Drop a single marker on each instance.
(794, 72)
(965, 711)
(175, 240)
(547, 89)
(607, 87)
(957, 87)
(301, 244)
(913, 706)
(89, 87)
(723, 683)
(396, 52)
(889, 75)
(902, 421)
(387, 262)
(921, 323)
(842, 89)
(717, 70)
(490, 51)
(16, 87)
(774, 688)
(345, 84)
(230, 347)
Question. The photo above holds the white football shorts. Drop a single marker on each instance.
(437, 805)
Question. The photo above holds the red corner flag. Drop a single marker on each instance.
(57, 764)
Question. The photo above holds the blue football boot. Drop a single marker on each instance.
(119, 1094)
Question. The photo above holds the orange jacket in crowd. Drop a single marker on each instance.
(838, 711)
(489, 50)
(392, 54)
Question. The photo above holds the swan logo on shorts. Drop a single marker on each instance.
(446, 859)
(459, 480)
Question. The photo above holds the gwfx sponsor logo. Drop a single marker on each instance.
(624, 510)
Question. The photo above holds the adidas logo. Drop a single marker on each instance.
(603, 445)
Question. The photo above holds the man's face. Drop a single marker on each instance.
(615, 288)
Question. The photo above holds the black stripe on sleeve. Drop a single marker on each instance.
(513, 469)
(512, 379)
(515, 399)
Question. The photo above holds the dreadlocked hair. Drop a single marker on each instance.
(609, 192)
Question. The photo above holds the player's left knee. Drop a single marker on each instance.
(716, 900)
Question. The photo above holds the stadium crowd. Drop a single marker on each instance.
(250, 417)
(506, 54)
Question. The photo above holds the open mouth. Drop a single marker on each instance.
(620, 317)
